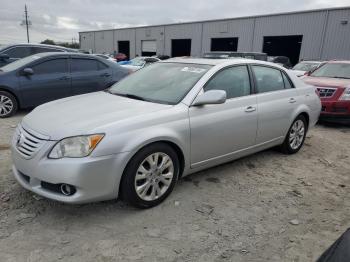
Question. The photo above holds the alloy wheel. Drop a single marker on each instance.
(6, 105)
(296, 135)
(154, 176)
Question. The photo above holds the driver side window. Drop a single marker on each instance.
(234, 80)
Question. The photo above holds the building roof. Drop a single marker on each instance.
(224, 19)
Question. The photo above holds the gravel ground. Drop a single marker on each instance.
(265, 207)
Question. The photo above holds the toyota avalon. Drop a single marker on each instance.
(171, 119)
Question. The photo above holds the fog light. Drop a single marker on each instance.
(67, 190)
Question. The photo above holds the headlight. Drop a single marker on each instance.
(346, 94)
(78, 146)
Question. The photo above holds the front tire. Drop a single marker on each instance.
(295, 137)
(150, 176)
(8, 104)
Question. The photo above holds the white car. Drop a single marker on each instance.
(305, 66)
(140, 62)
(108, 57)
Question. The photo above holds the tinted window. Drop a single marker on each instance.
(18, 52)
(287, 83)
(52, 66)
(45, 49)
(268, 79)
(82, 65)
(233, 80)
(101, 66)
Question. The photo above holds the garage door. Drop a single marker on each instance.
(149, 47)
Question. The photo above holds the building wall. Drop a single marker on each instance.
(150, 33)
(337, 36)
(309, 25)
(125, 35)
(104, 42)
(324, 35)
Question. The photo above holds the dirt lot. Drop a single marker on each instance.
(266, 207)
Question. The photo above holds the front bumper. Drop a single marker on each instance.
(95, 178)
(335, 111)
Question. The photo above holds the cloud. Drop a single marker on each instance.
(62, 20)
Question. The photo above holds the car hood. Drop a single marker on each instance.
(326, 81)
(85, 114)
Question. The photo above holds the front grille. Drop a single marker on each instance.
(326, 92)
(27, 144)
(51, 187)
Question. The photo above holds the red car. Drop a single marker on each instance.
(332, 81)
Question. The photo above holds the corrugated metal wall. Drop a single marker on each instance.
(314, 26)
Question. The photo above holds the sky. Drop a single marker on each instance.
(61, 20)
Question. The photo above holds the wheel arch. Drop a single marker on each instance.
(8, 90)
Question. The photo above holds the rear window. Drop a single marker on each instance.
(83, 65)
(19, 52)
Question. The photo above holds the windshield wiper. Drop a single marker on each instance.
(130, 96)
(341, 77)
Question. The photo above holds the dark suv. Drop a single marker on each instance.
(44, 77)
(12, 53)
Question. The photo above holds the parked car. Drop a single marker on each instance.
(332, 81)
(168, 120)
(12, 53)
(280, 60)
(139, 62)
(43, 77)
(108, 57)
(304, 67)
(225, 55)
(121, 57)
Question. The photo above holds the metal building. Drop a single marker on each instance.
(315, 34)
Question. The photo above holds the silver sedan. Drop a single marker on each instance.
(171, 119)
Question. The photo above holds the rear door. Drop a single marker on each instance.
(50, 81)
(277, 99)
(89, 75)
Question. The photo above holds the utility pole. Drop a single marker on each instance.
(26, 22)
(26, 17)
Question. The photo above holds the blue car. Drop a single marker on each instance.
(44, 77)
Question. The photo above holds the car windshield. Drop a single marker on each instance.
(137, 61)
(334, 70)
(165, 83)
(305, 66)
(19, 63)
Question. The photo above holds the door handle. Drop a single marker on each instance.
(292, 100)
(250, 109)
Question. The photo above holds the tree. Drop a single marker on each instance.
(48, 42)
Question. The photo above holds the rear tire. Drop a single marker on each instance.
(8, 104)
(150, 176)
(295, 137)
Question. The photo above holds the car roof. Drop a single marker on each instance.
(339, 62)
(232, 52)
(40, 45)
(214, 62)
(46, 54)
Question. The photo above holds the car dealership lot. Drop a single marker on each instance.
(265, 207)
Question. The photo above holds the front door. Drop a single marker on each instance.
(217, 131)
(50, 81)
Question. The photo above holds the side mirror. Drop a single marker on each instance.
(4, 56)
(210, 97)
(28, 71)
